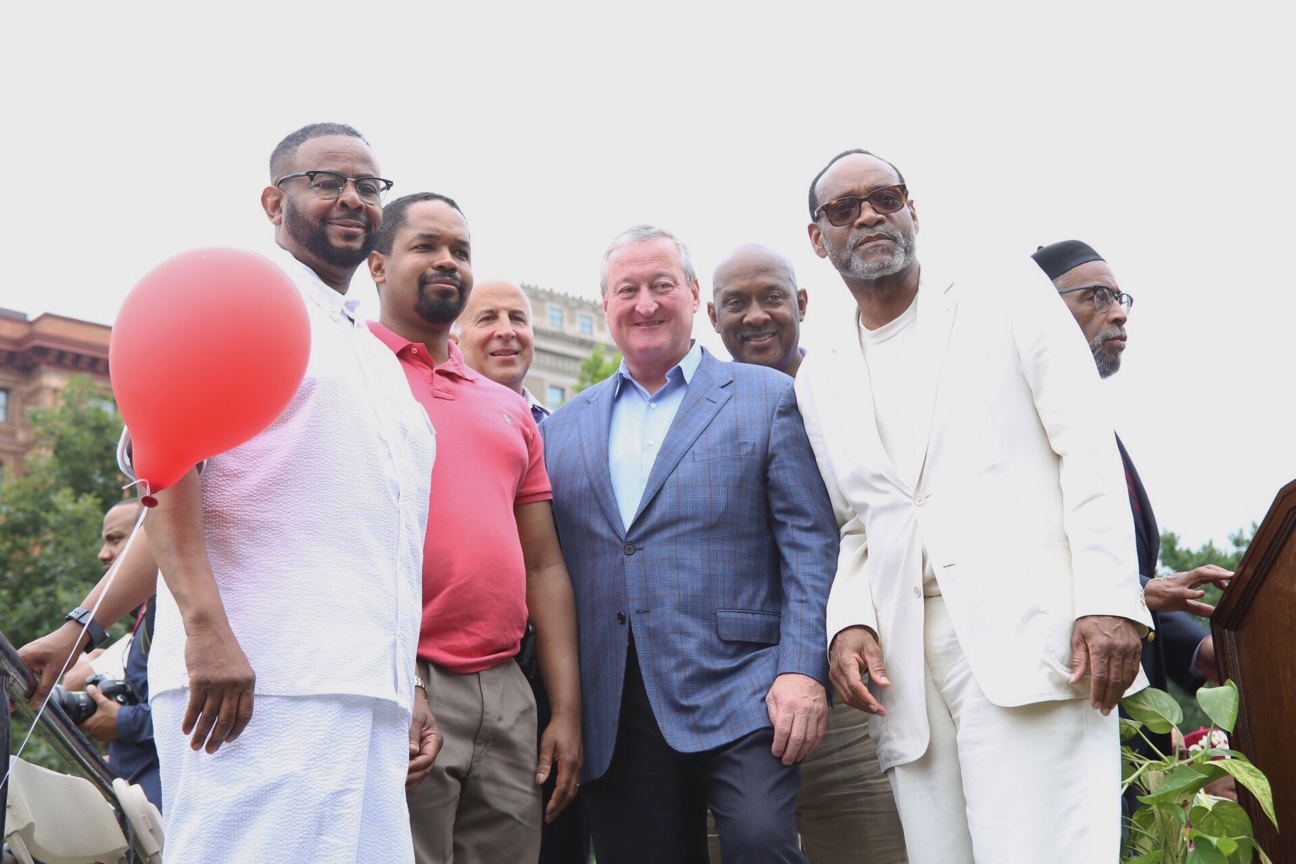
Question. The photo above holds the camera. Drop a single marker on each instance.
(78, 705)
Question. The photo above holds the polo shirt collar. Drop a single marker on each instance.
(399, 345)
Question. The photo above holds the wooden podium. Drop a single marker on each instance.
(1254, 627)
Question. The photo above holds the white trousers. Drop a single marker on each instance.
(318, 779)
(1036, 783)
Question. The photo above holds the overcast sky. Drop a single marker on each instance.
(1154, 131)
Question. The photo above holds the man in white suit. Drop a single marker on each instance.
(987, 562)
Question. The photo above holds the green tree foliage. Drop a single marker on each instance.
(1177, 559)
(596, 367)
(50, 518)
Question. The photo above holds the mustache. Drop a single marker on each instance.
(425, 280)
(1107, 335)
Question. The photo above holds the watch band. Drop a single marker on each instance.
(86, 620)
(418, 683)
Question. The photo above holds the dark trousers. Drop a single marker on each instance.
(565, 840)
(650, 806)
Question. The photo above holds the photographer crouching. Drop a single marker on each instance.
(114, 707)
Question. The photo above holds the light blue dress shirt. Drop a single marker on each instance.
(640, 421)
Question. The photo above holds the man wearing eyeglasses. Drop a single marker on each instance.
(292, 571)
(987, 561)
(1179, 648)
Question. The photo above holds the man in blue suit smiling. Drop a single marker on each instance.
(701, 546)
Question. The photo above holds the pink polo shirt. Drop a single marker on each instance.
(490, 457)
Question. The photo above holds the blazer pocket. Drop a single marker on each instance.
(729, 450)
(735, 625)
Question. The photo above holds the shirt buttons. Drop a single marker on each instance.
(920, 500)
(917, 591)
(652, 404)
(629, 549)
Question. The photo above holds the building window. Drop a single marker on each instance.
(4, 406)
(556, 317)
(556, 396)
(586, 325)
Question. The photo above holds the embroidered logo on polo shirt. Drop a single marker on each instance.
(508, 419)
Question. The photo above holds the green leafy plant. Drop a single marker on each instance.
(1178, 823)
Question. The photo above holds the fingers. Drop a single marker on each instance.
(566, 785)
(48, 678)
(1079, 659)
(1205, 610)
(214, 718)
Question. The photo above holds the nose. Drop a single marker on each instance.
(755, 316)
(868, 216)
(105, 554)
(645, 303)
(1117, 315)
(350, 196)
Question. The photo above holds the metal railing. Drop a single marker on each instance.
(55, 728)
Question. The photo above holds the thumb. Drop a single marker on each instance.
(1079, 660)
(877, 670)
(48, 677)
(94, 693)
(545, 763)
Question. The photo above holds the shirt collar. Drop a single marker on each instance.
(685, 369)
(313, 287)
(533, 402)
(399, 344)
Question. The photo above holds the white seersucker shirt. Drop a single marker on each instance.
(315, 527)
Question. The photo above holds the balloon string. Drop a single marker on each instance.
(108, 580)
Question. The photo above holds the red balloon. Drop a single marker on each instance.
(207, 350)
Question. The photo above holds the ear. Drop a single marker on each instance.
(816, 239)
(913, 214)
(802, 299)
(272, 202)
(697, 295)
(711, 313)
(378, 267)
(454, 337)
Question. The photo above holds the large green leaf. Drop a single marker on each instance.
(1155, 709)
(1129, 728)
(1206, 853)
(1220, 704)
(1254, 780)
(1182, 784)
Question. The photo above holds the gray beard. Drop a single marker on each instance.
(852, 265)
(1108, 363)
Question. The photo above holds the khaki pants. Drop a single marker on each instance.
(480, 804)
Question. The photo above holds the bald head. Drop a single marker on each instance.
(494, 332)
(757, 308)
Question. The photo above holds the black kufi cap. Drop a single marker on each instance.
(1057, 258)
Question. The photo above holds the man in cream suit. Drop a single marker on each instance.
(986, 610)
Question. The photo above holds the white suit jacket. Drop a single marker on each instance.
(1019, 500)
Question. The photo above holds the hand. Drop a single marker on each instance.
(1108, 649)
(424, 742)
(101, 725)
(561, 743)
(798, 708)
(221, 685)
(1207, 665)
(45, 657)
(854, 655)
(1176, 593)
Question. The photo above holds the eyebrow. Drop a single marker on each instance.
(432, 235)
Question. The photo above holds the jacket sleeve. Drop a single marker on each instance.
(801, 515)
(850, 601)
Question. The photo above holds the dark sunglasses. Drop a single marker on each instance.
(844, 211)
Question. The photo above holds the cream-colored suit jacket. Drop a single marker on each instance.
(1019, 501)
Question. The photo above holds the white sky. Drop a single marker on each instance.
(1154, 131)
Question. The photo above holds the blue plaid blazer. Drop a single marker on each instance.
(724, 571)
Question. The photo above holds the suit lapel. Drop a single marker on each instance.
(936, 302)
(710, 389)
(851, 392)
(594, 435)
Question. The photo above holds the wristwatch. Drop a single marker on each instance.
(86, 620)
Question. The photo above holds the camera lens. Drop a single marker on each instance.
(77, 705)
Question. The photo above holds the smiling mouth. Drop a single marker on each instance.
(765, 336)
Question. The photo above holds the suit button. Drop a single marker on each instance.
(920, 500)
(620, 617)
(629, 549)
(917, 592)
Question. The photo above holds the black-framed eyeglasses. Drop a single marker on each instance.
(329, 185)
(843, 211)
(1103, 297)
